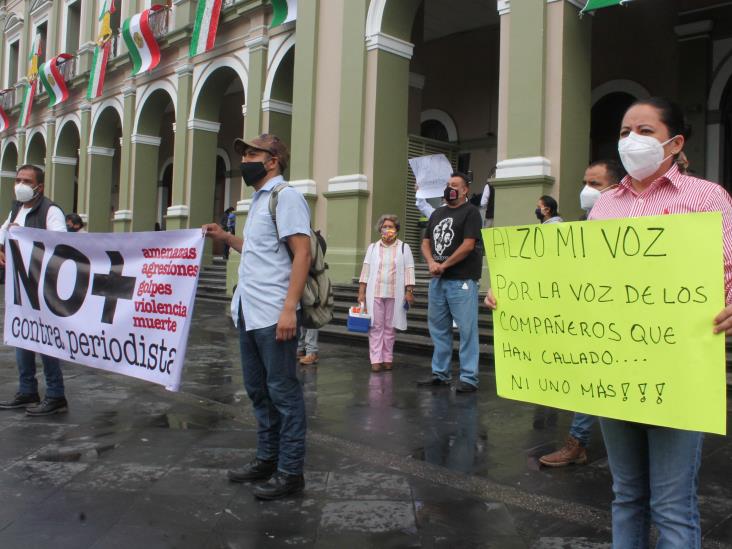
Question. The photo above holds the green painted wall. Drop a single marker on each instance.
(83, 177)
(390, 137)
(281, 125)
(255, 91)
(203, 173)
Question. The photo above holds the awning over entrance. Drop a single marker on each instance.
(597, 4)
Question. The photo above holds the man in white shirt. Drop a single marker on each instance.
(32, 209)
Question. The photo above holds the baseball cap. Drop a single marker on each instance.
(266, 142)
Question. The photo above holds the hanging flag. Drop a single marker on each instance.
(141, 43)
(98, 70)
(101, 52)
(597, 4)
(4, 122)
(284, 11)
(204, 29)
(53, 80)
(29, 93)
(25, 108)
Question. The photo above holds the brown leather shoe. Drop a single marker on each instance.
(568, 454)
(309, 360)
(388, 366)
(376, 367)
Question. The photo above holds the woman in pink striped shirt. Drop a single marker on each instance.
(386, 287)
(656, 469)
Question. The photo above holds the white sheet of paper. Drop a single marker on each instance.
(432, 173)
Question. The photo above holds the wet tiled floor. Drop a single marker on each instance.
(388, 465)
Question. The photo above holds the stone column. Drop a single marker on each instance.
(177, 215)
(50, 185)
(64, 172)
(257, 46)
(87, 38)
(145, 177)
(203, 139)
(123, 216)
(83, 177)
(98, 199)
(544, 60)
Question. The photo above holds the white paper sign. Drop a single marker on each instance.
(120, 302)
(432, 173)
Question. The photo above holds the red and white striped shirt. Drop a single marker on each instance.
(672, 193)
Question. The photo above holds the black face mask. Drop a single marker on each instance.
(253, 172)
(450, 195)
(539, 215)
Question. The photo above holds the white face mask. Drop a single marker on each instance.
(24, 193)
(588, 197)
(641, 155)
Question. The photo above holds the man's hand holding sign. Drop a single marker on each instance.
(612, 318)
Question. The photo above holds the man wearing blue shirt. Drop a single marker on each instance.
(274, 266)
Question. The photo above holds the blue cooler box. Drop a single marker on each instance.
(357, 321)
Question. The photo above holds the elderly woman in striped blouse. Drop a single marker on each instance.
(386, 287)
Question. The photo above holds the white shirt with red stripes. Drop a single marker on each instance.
(672, 193)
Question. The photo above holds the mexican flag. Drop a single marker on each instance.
(25, 108)
(53, 80)
(4, 122)
(284, 12)
(204, 29)
(98, 70)
(141, 44)
(597, 4)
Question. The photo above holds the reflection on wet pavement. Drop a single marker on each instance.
(388, 464)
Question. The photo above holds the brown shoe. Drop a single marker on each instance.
(376, 367)
(388, 366)
(568, 454)
(309, 360)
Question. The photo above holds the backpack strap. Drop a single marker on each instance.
(274, 197)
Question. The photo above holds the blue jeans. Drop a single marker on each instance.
(458, 300)
(27, 372)
(582, 428)
(307, 341)
(655, 477)
(270, 379)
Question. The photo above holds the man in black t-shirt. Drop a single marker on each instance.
(449, 246)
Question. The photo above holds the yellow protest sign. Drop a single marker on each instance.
(613, 318)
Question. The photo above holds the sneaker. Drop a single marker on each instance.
(48, 407)
(257, 469)
(465, 387)
(21, 400)
(568, 454)
(280, 485)
(309, 360)
(433, 381)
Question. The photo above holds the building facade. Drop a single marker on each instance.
(522, 92)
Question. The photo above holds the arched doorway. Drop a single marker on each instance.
(36, 152)
(8, 165)
(277, 106)
(217, 120)
(153, 143)
(66, 168)
(607, 114)
(104, 165)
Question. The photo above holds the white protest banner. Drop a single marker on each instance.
(432, 173)
(119, 302)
